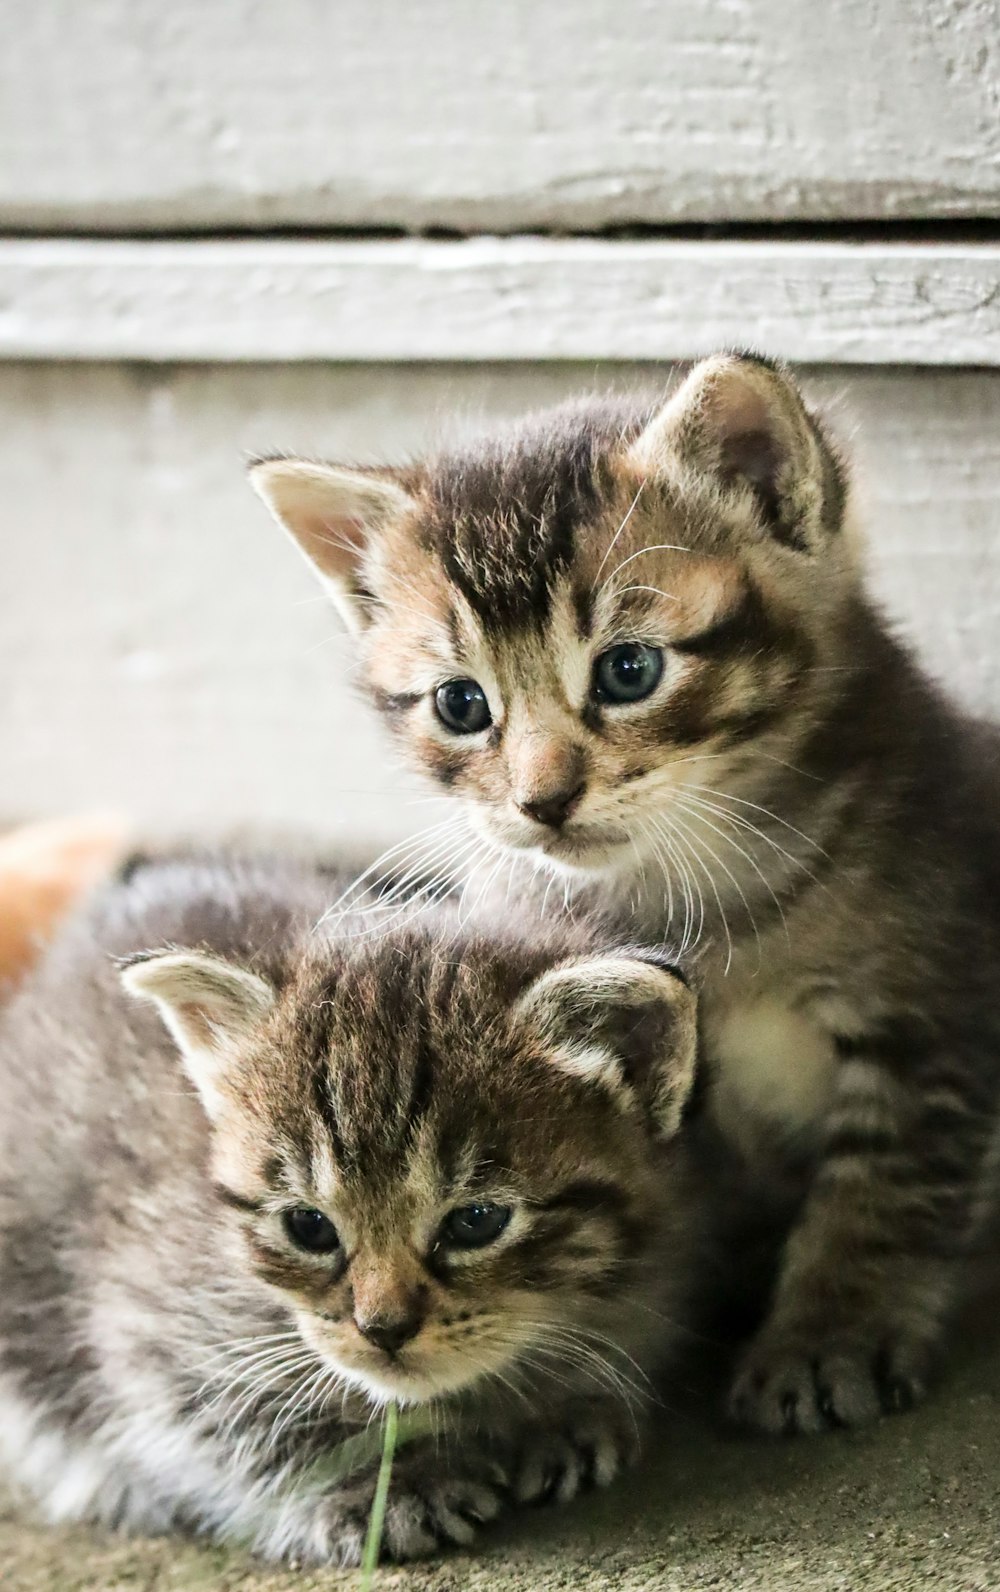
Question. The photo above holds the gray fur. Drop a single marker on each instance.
(143, 1274)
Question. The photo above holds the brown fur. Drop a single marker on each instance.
(795, 799)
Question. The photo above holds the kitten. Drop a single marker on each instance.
(635, 642)
(435, 1164)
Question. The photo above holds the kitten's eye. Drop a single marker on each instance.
(474, 1226)
(462, 707)
(628, 672)
(309, 1229)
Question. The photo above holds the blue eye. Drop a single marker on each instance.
(627, 673)
(462, 707)
(311, 1230)
(474, 1226)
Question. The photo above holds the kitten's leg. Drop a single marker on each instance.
(873, 1265)
(439, 1500)
(439, 1497)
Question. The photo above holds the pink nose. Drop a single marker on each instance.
(554, 809)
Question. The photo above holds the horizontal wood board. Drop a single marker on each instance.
(519, 299)
(126, 115)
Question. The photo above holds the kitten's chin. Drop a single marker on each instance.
(566, 855)
(396, 1384)
(412, 1376)
(579, 855)
(580, 852)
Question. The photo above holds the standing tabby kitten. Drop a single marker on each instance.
(432, 1165)
(636, 644)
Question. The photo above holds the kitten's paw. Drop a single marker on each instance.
(444, 1511)
(587, 1449)
(429, 1509)
(788, 1384)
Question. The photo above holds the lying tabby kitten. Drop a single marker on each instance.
(635, 642)
(429, 1165)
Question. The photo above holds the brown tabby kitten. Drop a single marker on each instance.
(433, 1164)
(636, 643)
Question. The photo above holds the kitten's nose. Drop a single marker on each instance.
(389, 1332)
(555, 808)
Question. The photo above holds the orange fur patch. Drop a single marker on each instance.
(44, 868)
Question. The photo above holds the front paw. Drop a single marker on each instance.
(586, 1448)
(430, 1508)
(790, 1383)
(430, 1513)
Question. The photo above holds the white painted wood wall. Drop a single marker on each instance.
(239, 226)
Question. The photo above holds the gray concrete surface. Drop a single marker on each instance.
(909, 1504)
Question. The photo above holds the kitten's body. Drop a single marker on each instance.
(791, 795)
(167, 1359)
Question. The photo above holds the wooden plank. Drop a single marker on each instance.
(163, 648)
(530, 115)
(506, 299)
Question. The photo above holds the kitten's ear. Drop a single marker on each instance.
(209, 1006)
(627, 1021)
(333, 515)
(743, 421)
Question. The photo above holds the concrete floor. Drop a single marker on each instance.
(912, 1503)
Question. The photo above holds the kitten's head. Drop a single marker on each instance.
(570, 625)
(448, 1154)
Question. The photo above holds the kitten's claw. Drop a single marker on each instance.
(589, 1450)
(787, 1386)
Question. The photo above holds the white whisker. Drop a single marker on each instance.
(694, 808)
(698, 817)
(614, 540)
(689, 884)
(656, 547)
(739, 822)
(741, 801)
(696, 843)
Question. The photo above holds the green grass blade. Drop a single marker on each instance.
(376, 1519)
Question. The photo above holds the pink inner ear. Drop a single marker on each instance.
(198, 1025)
(742, 418)
(735, 408)
(333, 542)
(330, 513)
(344, 533)
(754, 455)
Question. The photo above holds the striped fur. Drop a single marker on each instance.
(795, 802)
(169, 1357)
